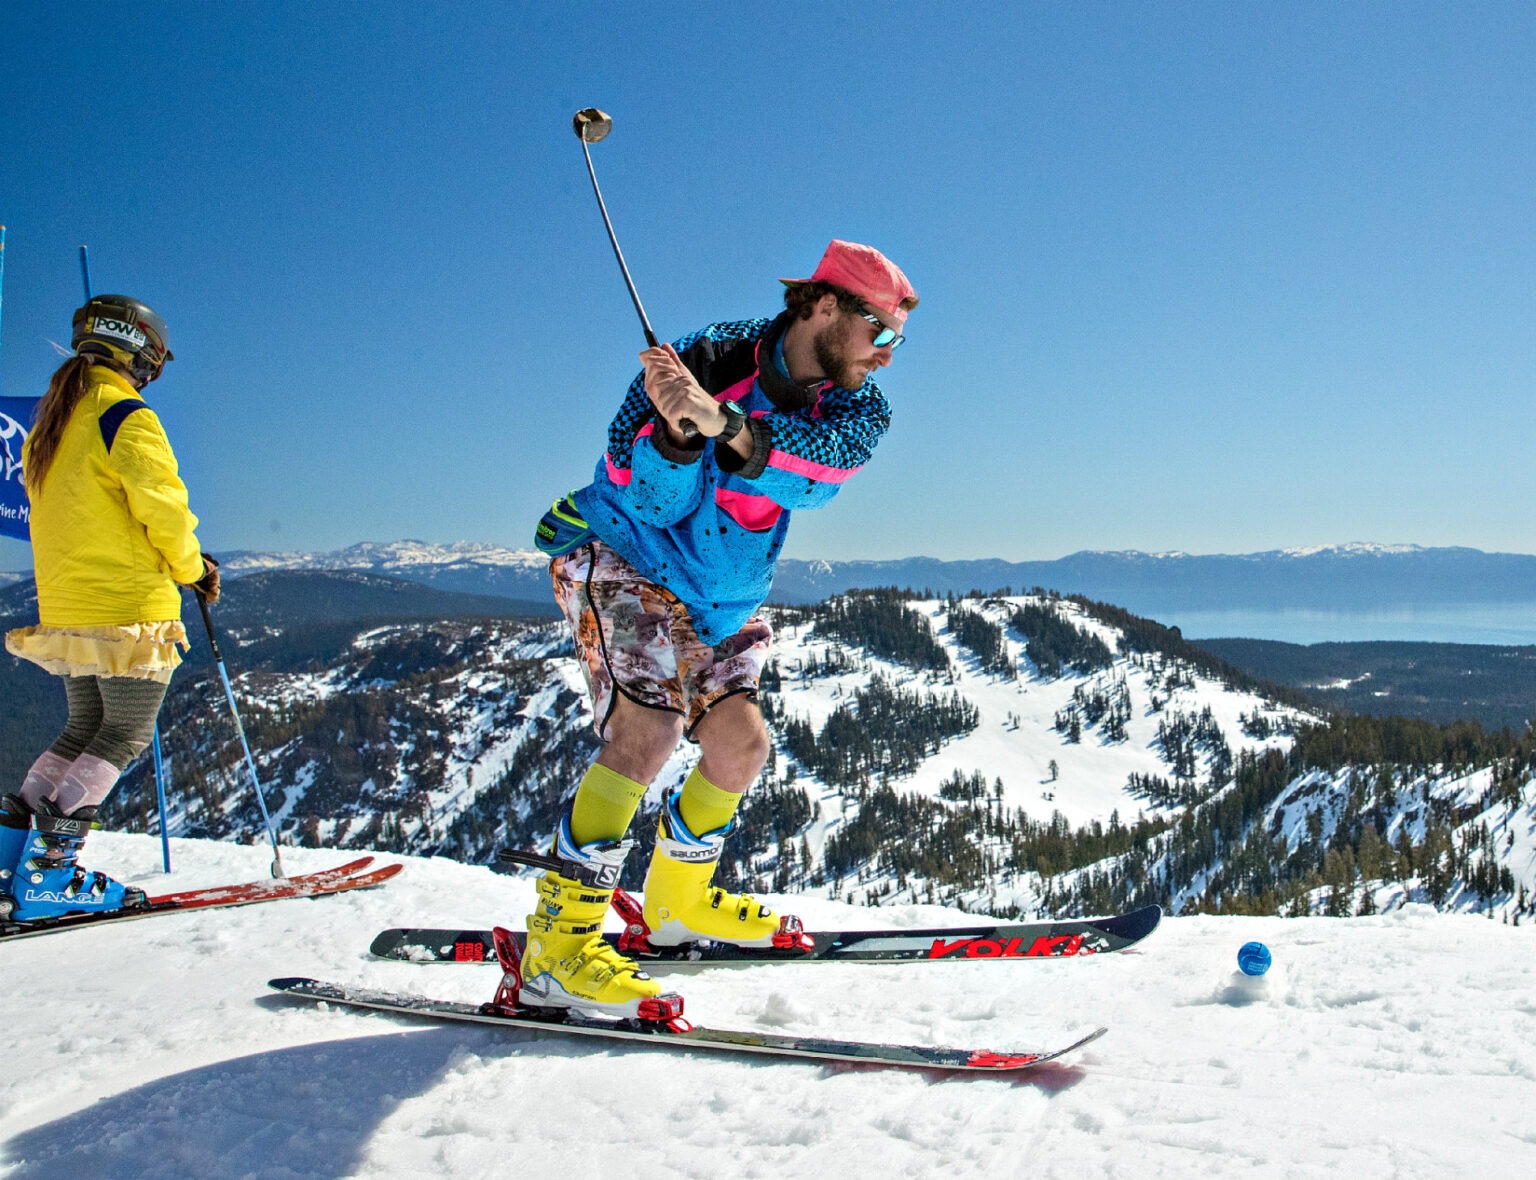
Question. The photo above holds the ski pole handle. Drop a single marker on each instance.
(213, 642)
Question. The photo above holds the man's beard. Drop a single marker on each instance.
(830, 346)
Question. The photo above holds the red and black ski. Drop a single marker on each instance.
(997, 942)
(353, 875)
(665, 1026)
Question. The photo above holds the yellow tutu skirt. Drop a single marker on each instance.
(139, 651)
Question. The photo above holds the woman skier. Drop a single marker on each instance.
(112, 536)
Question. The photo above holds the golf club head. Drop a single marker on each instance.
(591, 125)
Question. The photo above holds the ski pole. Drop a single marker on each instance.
(229, 695)
(165, 837)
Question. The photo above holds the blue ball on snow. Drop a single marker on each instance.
(1254, 958)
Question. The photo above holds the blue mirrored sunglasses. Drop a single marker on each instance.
(884, 336)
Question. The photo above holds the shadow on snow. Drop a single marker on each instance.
(305, 1113)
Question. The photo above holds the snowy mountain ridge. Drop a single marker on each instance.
(393, 556)
(1350, 576)
(1354, 576)
(388, 557)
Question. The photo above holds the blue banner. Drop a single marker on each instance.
(15, 511)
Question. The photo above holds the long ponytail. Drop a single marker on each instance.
(53, 411)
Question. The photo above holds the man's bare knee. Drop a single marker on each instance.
(735, 743)
(640, 740)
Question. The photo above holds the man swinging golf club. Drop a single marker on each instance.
(660, 565)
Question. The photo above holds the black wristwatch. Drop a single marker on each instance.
(735, 419)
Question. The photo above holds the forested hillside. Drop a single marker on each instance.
(1016, 754)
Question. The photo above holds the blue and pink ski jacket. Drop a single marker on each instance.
(702, 521)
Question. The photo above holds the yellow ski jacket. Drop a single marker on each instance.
(111, 531)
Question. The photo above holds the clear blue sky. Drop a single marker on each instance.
(1217, 277)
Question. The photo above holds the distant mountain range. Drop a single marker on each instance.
(1334, 577)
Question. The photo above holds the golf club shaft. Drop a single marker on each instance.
(688, 428)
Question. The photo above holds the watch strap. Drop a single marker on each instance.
(735, 419)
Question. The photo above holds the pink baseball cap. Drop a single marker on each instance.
(870, 275)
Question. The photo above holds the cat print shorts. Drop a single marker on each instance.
(636, 637)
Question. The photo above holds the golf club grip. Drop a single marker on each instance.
(686, 427)
(690, 431)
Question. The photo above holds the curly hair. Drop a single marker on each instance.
(800, 298)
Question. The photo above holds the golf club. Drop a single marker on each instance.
(592, 126)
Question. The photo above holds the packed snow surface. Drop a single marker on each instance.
(1394, 1046)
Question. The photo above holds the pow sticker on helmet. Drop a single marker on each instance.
(120, 329)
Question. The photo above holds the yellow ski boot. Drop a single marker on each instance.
(682, 906)
(566, 963)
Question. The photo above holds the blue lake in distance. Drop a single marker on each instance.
(1498, 623)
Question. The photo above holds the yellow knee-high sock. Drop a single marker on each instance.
(605, 804)
(704, 806)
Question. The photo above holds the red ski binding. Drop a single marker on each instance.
(636, 939)
(791, 936)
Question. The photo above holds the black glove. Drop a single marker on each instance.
(207, 586)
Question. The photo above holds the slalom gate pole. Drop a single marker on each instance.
(229, 695)
(160, 780)
(165, 839)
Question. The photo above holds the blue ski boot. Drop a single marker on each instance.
(48, 881)
(15, 823)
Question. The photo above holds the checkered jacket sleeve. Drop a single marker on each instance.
(811, 456)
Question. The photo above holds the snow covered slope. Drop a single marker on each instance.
(1399, 1046)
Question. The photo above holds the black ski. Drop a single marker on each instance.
(680, 1034)
(1004, 941)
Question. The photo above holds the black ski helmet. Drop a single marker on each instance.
(125, 330)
